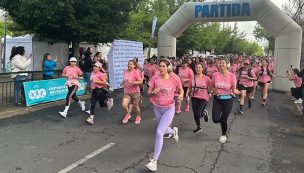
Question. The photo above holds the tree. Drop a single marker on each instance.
(71, 21)
(295, 10)
(260, 34)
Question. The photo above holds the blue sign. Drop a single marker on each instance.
(44, 91)
(222, 10)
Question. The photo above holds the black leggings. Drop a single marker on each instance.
(71, 95)
(220, 112)
(198, 106)
(100, 95)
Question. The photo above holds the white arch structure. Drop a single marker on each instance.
(287, 33)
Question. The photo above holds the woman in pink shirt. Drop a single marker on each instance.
(264, 80)
(255, 68)
(200, 88)
(99, 93)
(132, 79)
(210, 69)
(72, 74)
(186, 75)
(223, 85)
(293, 75)
(161, 92)
(246, 79)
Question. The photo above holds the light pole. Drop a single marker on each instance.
(4, 48)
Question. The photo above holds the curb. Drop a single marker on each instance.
(15, 111)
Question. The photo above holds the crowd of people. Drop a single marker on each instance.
(168, 82)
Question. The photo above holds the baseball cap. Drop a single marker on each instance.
(73, 59)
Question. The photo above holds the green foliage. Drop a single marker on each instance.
(70, 20)
(260, 33)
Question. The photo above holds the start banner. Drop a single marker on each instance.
(43, 91)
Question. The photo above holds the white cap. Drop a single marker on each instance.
(72, 59)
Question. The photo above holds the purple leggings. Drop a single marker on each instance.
(164, 117)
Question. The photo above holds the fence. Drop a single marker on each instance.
(7, 85)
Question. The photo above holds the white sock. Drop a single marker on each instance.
(66, 109)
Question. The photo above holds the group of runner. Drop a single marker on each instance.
(171, 81)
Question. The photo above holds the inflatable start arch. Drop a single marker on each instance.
(288, 33)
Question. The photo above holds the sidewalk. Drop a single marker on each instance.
(11, 110)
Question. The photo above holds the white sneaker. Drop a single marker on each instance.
(223, 139)
(298, 101)
(175, 135)
(152, 165)
(88, 112)
(63, 114)
(82, 105)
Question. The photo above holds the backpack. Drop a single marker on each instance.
(262, 71)
(248, 71)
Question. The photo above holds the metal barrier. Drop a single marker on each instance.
(7, 85)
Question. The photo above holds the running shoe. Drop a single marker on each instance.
(178, 111)
(152, 165)
(241, 111)
(110, 103)
(186, 108)
(263, 104)
(167, 136)
(299, 101)
(126, 118)
(82, 105)
(223, 139)
(206, 117)
(138, 119)
(252, 98)
(88, 112)
(175, 135)
(63, 114)
(90, 120)
(197, 130)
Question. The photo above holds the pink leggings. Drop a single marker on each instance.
(164, 117)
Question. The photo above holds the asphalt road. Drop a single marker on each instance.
(269, 139)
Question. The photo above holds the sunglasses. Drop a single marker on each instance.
(73, 61)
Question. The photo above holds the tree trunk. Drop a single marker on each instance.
(75, 46)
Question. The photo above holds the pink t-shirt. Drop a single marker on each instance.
(146, 69)
(132, 76)
(297, 81)
(211, 70)
(203, 84)
(244, 78)
(72, 74)
(234, 69)
(223, 84)
(97, 76)
(185, 74)
(165, 97)
(264, 78)
(152, 68)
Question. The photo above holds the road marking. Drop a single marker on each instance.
(81, 161)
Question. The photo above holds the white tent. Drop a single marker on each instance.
(38, 49)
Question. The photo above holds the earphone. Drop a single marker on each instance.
(169, 67)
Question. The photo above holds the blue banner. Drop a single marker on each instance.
(43, 91)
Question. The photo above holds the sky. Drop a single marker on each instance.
(248, 27)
